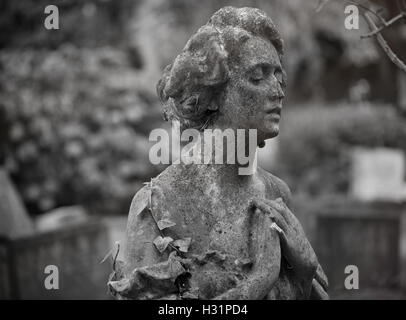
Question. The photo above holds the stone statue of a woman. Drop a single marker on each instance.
(202, 230)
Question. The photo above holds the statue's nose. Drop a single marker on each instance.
(281, 94)
(276, 92)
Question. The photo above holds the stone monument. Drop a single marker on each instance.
(202, 231)
(15, 221)
(378, 174)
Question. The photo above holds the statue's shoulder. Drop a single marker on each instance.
(175, 180)
(278, 185)
(165, 202)
(165, 192)
(150, 207)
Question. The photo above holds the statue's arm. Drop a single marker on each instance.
(316, 286)
(148, 274)
(141, 232)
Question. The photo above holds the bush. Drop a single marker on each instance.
(77, 127)
(316, 143)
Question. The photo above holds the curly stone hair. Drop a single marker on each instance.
(190, 88)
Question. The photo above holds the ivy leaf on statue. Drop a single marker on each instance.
(165, 223)
(140, 201)
(183, 244)
(161, 243)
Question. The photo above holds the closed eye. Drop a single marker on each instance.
(278, 75)
(259, 73)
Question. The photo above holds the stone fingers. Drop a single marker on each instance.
(276, 217)
(280, 206)
(321, 277)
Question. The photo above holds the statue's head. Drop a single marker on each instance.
(229, 75)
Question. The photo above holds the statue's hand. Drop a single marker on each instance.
(295, 247)
(319, 285)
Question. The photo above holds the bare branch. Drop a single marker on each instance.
(375, 30)
(367, 10)
(382, 42)
(385, 25)
(321, 5)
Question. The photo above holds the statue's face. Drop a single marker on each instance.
(253, 97)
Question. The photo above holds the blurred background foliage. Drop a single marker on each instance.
(316, 143)
(77, 104)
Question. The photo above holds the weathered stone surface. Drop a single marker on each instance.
(15, 221)
(369, 235)
(75, 251)
(221, 228)
(60, 218)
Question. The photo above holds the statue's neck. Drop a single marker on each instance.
(227, 157)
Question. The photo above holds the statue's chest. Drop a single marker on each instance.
(231, 231)
(220, 220)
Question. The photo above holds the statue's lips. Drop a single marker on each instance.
(275, 111)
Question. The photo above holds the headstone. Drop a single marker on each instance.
(368, 235)
(14, 220)
(75, 251)
(61, 217)
(378, 174)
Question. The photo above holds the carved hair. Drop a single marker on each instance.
(190, 88)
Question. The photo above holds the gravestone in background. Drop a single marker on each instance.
(369, 235)
(14, 220)
(75, 250)
(378, 174)
(366, 229)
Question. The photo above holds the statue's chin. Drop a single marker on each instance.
(272, 132)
